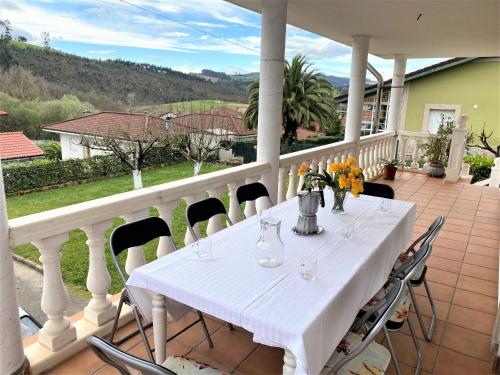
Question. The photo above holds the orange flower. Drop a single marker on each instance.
(351, 160)
(356, 171)
(357, 187)
(343, 182)
(333, 167)
(302, 169)
(343, 165)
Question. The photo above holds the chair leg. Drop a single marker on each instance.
(433, 309)
(417, 347)
(121, 340)
(391, 350)
(427, 335)
(143, 334)
(205, 329)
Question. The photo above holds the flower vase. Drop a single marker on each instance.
(338, 202)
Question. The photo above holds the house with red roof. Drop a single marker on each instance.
(103, 124)
(15, 146)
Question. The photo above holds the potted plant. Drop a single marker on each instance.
(342, 178)
(437, 147)
(390, 168)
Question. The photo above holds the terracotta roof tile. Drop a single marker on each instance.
(15, 145)
(111, 123)
(216, 120)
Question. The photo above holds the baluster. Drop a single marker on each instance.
(250, 208)
(301, 179)
(314, 165)
(214, 223)
(100, 309)
(234, 212)
(369, 161)
(414, 156)
(135, 255)
(57, 331)
(403, 141)
(292, 182)
(361, 160)
(166, 211)
(380, 155)
(188, 237)
(281, 185)
(322, 164)
(329, 161)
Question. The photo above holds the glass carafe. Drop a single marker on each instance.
(270, 249)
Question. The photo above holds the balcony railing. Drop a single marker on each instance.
(410, 147)
(48, 231)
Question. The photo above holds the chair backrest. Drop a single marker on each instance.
(251, 192)
(378, 190)
(429, 235)
(123, 361)
(378, 316)
(136, 233)
(413, 264)
(203, 210)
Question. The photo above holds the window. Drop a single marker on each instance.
(433, 113)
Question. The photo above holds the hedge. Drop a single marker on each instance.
(480, 167)
(37, 174)
(248, 150)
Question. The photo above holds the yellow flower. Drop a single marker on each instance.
(302, 169)
(343, 182)
(356, 171)
(333, 167)
(357, 187)
(343, 165)
(351, 160)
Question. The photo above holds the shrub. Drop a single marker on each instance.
(480, 167)
(37, 174)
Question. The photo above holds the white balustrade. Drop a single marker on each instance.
(250, 208)
(100, 310)
(292, 182)
(166, 212)
(214, 223)
(57, 330)
(281, 184)
(410, 145)
(135, 255)
(234, 211)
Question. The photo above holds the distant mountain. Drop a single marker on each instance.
(114, 80)
(336, 81)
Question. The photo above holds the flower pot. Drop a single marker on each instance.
(436, 170)
(390, 172)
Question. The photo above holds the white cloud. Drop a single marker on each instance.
(98, 11)
(187, 69)
(209, 25)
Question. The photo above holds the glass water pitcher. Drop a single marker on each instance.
(270, 249)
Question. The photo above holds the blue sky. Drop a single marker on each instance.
(110, 29)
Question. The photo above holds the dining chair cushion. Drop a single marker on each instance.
(374, 360)
(419, 274)
(398, 318)
(186, 366)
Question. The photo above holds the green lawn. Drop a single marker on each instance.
(192, 106)
(74, 260)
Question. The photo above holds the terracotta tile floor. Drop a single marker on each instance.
(463, 277)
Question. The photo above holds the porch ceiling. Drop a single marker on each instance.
(446, 28)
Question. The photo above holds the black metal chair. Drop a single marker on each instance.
(125, 362)
(378, 190)
(134, 234)
(357, 352)
(203, 210)
(404, 265)
(252, 192)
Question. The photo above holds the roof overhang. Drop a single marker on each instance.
(415, 28)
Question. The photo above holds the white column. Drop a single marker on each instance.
(12, 359)
(166, 211)
(397, 85)
(234, 212)
(457, 150)
(100, 308)
(271, 89)
(57, 331)
(359, 61)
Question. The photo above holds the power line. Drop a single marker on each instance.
(185, 24)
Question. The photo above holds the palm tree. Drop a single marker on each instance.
(307, 99)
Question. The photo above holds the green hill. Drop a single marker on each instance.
(113, 81)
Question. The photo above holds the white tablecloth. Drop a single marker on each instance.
(309, 318)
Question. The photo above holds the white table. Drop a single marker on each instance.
(306, 318)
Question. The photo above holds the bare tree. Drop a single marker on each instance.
(129, 144)
(485, 142)
(198, 136)
(5, 29)
(45, 39)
